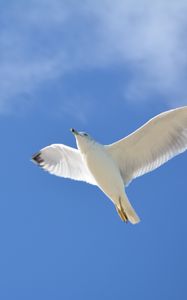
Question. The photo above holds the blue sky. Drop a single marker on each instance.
(103, 68)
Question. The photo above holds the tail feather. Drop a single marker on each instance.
(129, 210)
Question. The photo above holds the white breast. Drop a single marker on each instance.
(104, 170)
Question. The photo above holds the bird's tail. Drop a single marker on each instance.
(129, 210)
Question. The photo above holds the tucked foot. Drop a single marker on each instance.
(121, 212)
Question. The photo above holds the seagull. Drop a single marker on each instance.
(112, 167)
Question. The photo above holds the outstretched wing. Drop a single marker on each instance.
(64, 161)
(151, 145)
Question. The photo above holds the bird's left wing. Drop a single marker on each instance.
(151, 145)
(63, 161)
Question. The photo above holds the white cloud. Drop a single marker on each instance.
(41, 40)
(150, 36)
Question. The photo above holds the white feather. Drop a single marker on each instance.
(64, 161)
(151, 145)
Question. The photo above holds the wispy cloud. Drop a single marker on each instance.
(150, 37)
(41, 40)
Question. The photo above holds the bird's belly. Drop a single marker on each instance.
(106, 174)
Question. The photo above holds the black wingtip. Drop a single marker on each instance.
(36, 158)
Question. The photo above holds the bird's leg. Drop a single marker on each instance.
(121, 212)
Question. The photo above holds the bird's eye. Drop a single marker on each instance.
(85, 134)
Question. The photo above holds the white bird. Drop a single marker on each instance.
(111, 167)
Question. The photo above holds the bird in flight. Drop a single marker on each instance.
(112, 167)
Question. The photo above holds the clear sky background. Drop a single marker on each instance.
(104, 67)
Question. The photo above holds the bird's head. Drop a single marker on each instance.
(83, 140)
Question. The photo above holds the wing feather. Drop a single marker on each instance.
(153, 144)
(63, 161)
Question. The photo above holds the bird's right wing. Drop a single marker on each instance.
(63, 161)
(151, 145)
